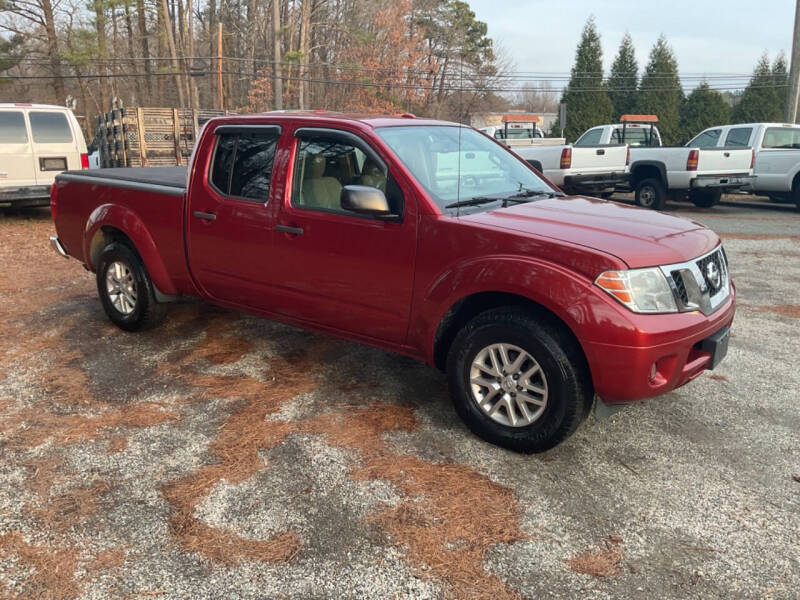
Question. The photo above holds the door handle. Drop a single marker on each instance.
(204, 215)
(601, 152)
(290, 230)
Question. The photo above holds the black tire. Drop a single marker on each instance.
(705, 199)
(650, 193)
(796, 196)
(568, 381)
(606, 195)
(146, 312)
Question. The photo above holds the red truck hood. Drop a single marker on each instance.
(639, 237)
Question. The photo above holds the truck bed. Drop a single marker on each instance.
(164, 179)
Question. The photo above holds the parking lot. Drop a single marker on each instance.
(224, 456)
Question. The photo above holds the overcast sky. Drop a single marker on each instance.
(708, 36)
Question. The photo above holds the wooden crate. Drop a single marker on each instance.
(149, 136)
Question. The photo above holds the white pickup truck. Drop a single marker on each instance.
(701, 174)
(777, 150)
(580, 170)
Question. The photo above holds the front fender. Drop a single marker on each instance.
(129, 223)
(563, 292)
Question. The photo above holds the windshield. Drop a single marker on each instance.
(487, 171)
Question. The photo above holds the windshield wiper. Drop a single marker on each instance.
(522, 196)
(476, 201)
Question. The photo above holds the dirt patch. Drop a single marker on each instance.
(786, 310)
(602, 562)
(71, 508)
(54, 569)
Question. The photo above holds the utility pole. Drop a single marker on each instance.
(220, 97)
(793, 92)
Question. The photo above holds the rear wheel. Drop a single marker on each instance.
(796, 196)
(518, 381)
(126, 290)
(650, 193)
(705, 198)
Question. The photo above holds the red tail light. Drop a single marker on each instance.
(752, 159)
(53, 203)
(628, 157)
(84, 161)
(566, 158)
(691, 162)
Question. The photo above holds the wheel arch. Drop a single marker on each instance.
(109, 223)
(645, 169)
(468, 307)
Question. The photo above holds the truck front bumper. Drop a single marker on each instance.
(34, 195)
(650, 365)
(595, 182)
(731, 182)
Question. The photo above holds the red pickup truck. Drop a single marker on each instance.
(422, 237)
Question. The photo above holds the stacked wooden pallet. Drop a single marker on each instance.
(149, 137)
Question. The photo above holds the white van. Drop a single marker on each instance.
(37, 142)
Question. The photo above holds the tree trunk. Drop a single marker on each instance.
(137, 81)
(141, 19)
(305, 49)
(102, 51)
(173, 52)
(276, 54)
(52, 51)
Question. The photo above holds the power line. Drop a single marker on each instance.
(377, 84)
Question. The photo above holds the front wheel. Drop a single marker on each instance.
(519, 381)
(705, 198)
(650, 193)
(126, 290)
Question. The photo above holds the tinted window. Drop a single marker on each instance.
(590, 138)
(325, 164)
(50, 128)
(782, 137)
(707, 139)
(242, 164)
(12, 128)
(739, 136)
(635, 136)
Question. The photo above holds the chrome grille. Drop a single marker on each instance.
(701, 284)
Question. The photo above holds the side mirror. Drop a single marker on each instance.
(366, 200)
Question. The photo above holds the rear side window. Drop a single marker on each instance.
(50, 128)
(12, 128)
(782, 137)
(242, 166)
(707, 139)
(739, 136)
(590, 138)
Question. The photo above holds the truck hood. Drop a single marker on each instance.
(639, 237)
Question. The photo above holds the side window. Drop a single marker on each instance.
(782, 137)
(740, 136)
(590, 138)
(707, 139)
(50, 128)
(12, 128)
(325, 163)
(242, 166)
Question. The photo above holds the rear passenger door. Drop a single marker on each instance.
(16, 154)
(349, 272)
(229, 226)
(55, 148)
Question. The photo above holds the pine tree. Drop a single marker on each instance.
(660, 91)
(780, 79)
(623, 79)
(702, 109)
(586, 95)
(762, 100)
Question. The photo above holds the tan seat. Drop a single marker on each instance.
(372, 176)
(317, 190)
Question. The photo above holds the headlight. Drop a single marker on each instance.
(641, 290)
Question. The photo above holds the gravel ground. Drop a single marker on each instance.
(223, 456)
